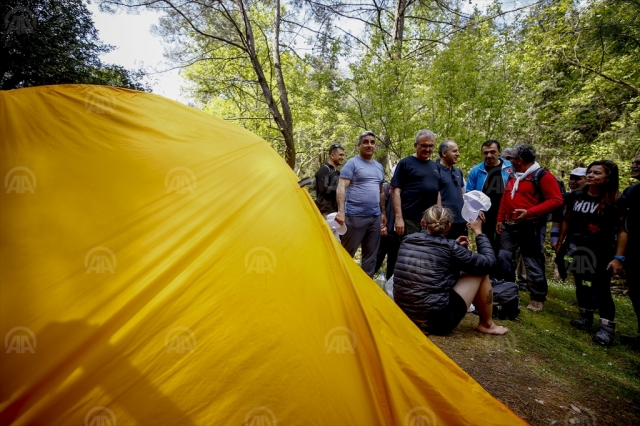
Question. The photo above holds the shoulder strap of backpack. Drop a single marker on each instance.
(535, 180)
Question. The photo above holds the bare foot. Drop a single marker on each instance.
(492, 329)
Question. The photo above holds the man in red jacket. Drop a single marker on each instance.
(531, 193)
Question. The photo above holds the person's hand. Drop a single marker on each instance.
(476, 226)
(520, 215)
(383, 225)
(481, 215)
(340, 218)
(616, 265)
(399, 226)
(463, 241)
(383, 231)
(499, 228)
(554, 246)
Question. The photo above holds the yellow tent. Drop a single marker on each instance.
(162, 266)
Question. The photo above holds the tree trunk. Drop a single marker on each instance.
(285, 124)
(287, 128)
(398, 27)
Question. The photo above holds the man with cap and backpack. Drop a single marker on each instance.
(530, 194)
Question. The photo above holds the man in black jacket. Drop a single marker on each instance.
(630, 205)
(327, 178)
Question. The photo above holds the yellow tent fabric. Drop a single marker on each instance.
(162, 266)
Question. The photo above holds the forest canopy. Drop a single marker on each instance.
(562, 75)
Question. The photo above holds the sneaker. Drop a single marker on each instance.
(535, 306)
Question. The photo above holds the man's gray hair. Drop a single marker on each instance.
(444, 146)
(525, 152)
(425, 133)
(507, 151)
(365, 133)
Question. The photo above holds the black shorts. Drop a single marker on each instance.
(445, 320)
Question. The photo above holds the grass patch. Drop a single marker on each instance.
(549, 373)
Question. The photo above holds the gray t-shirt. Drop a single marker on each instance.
(363, 193)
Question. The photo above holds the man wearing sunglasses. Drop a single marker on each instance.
(416, 184)
(630, 206)
(327, 178)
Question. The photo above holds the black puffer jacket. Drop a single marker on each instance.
(429, 266)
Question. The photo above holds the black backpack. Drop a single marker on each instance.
(506, 301)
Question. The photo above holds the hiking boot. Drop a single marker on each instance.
(585, 322)
(535, 306)
(604, 336)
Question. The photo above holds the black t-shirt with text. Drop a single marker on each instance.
(590, 228)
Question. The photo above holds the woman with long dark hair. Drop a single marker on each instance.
(596, 241)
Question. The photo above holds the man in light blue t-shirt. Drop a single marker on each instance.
(361, 203)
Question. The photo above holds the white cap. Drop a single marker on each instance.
(335, 226)
(580, 171)
(474, 201)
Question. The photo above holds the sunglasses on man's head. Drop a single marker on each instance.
(453, 177)
(335, 146)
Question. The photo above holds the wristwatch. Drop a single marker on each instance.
(620, 258)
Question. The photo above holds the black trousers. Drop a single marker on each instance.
(526, 236)
(489, 229)
(389, 246)
(632, 270)
(365, 231)
(458, 230)
(596, 286)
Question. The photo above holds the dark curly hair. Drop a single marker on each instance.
(609, 189)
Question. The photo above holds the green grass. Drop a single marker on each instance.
(571, 355)
(543, 368)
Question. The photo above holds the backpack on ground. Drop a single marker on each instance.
(506, 301)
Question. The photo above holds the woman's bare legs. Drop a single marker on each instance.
(479, 291)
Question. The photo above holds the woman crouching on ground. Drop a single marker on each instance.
(428, 284)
